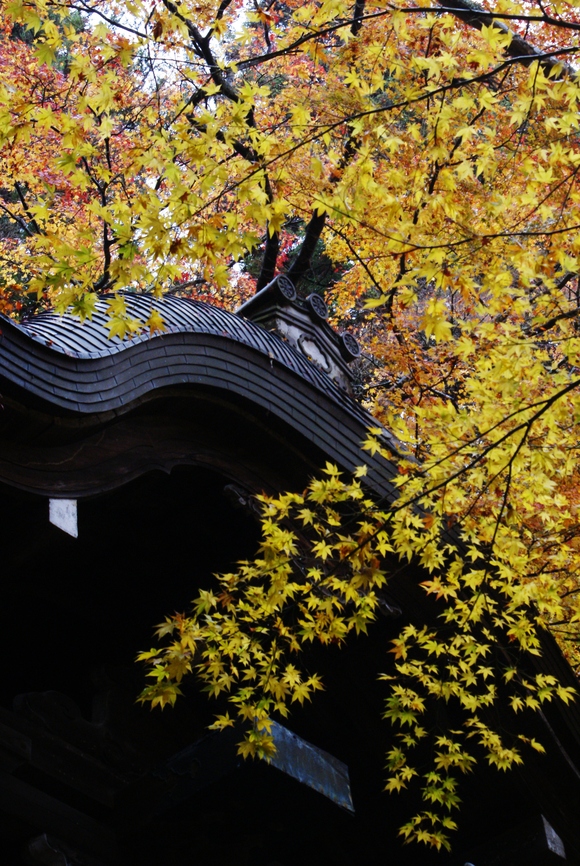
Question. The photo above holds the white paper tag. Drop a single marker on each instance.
(63, 513)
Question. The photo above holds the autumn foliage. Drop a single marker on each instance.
(429, 153)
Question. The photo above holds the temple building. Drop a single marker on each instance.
(127, 469)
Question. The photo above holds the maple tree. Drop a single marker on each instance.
(430, 152)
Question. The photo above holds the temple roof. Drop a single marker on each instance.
(67, 368)
(89, 340)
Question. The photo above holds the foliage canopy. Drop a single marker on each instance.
(431, 152)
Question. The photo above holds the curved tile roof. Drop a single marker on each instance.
(77, 369)
(90, 339)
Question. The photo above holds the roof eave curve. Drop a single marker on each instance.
(73, 370)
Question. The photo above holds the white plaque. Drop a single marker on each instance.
(63, 513)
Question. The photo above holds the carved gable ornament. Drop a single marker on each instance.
(303, 324)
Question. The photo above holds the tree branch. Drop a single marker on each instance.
(359, 8)
(22, 199)
(519, 48)
(311, 237)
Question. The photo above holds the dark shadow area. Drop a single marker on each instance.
(76, 612)
(76, 605)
